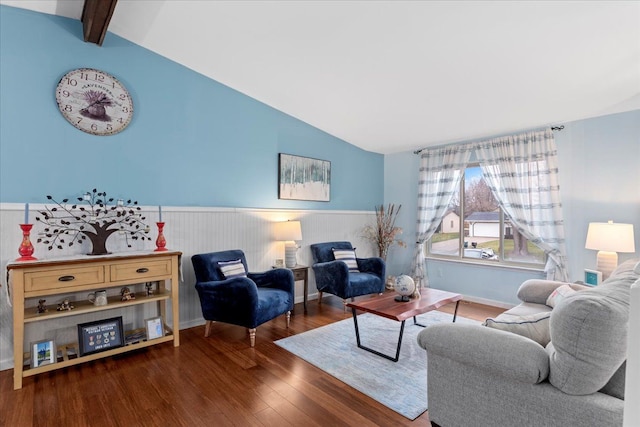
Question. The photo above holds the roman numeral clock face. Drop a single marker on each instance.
(94, 101)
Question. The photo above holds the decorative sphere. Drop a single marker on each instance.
(405, 285)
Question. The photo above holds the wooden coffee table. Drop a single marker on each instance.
(386, 306)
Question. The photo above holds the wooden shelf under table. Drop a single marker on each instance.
(83, 307)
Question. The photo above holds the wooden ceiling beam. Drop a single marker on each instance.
(96, 15)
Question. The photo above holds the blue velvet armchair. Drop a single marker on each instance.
(244, 301)
(335, 278)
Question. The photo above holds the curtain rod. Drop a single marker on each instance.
(556, 128)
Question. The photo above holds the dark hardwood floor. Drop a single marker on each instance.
(211, 381)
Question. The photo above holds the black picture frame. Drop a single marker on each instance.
(92, 338)
(303, 178)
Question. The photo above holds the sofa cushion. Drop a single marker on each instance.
(527, 309)
(615, 386)
(231, 269)
(348, 256)
(533, 326)
(589, 337)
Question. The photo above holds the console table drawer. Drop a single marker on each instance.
(63, 278)
(140, 270)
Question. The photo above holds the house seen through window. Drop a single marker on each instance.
(475, 227)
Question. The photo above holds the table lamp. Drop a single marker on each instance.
(289, 231)
(608, 239)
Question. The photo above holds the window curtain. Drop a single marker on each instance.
(522, 172)
(440, 172)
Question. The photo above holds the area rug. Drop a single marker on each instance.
(401, 385)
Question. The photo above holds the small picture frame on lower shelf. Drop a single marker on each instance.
(155, 328)
(101, 335)
(592, 277)
(43, 353)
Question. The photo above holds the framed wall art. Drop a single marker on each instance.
(303, 178)
(43, 353)
(101, 335)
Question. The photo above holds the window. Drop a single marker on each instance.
(479, 230)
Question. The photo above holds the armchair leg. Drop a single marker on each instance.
(252, 336)
(207, 328)
(288, 318)
(319, 297)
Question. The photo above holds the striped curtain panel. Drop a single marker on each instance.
(522, 171)
(440, 172)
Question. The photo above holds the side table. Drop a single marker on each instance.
(301, 272)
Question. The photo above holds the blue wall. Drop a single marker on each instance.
(599, 163)
(192, 140)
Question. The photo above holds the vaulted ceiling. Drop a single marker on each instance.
(391, 76)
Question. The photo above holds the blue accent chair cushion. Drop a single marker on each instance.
(244, 301)
(335, 278)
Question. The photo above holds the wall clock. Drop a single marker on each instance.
(94, 101)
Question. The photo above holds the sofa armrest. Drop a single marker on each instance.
(538, 290)
(497, 352)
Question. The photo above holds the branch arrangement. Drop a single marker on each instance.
(384, 233)
(95, 218)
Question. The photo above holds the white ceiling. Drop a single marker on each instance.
(391, 76)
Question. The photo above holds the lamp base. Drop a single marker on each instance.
(290, 250)
(606, 263)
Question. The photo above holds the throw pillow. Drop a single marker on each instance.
(231, 269)
(348, 256)
(559, 294)
(533, 326)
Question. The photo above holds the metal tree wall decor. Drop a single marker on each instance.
(96, 218)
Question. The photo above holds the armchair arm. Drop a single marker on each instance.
(497, 352)
(278, 278)
(238, 290)
(372, 265)
(331, 276)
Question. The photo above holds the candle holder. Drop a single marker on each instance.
(26, 248)
(161, 242)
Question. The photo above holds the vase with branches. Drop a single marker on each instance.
(384, 233)
(95, 218)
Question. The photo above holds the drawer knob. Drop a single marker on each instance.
(66, 278)
(142, 270)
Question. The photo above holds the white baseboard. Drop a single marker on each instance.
(486, 301)
(6, 364)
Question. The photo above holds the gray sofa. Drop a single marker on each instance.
(481, 376)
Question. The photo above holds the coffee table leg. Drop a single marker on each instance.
(455, 314)
(355, 323)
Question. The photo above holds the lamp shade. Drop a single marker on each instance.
(610, 237)
(288, 230)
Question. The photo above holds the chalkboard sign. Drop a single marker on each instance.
(100, 335)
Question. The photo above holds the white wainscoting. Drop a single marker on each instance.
(191, 231)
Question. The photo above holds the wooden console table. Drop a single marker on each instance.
(35, 279)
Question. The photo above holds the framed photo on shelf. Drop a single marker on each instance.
(303, 178)
(101, 335)
(43, 353)
(592, 277)
(155, 328)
